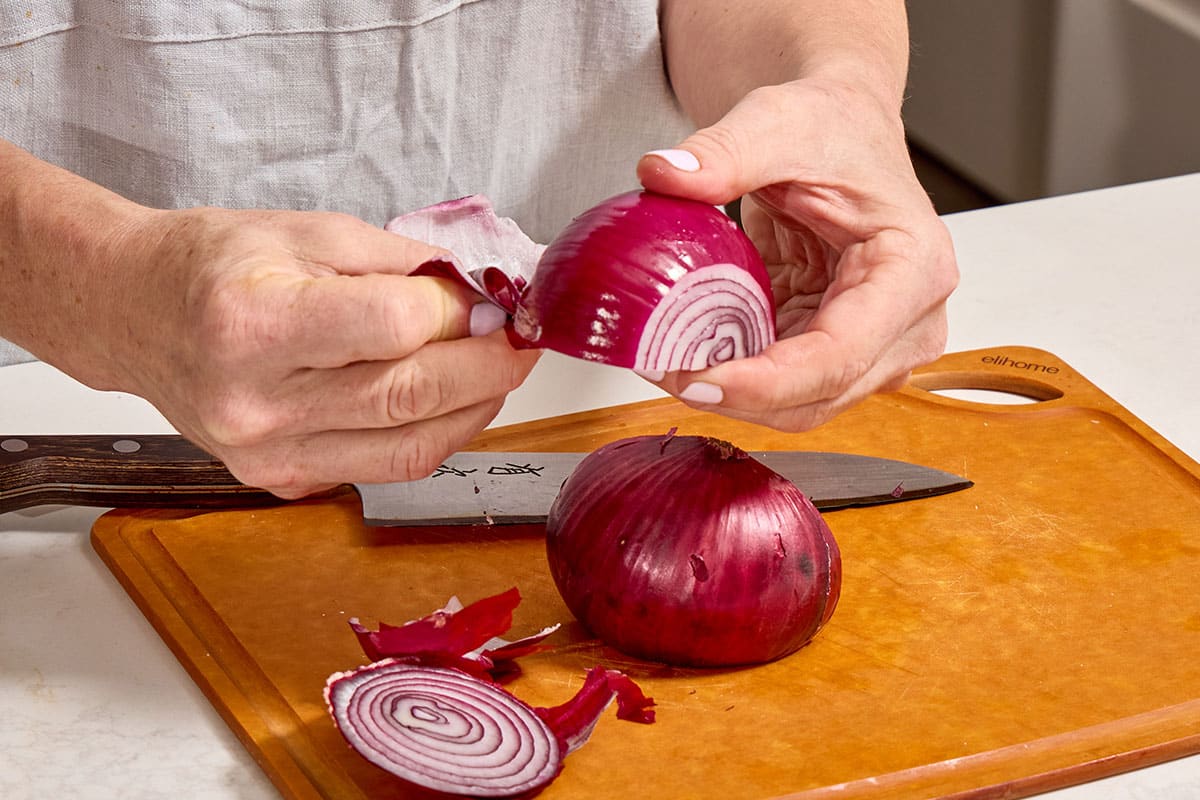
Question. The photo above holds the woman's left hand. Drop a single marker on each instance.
(860, 263)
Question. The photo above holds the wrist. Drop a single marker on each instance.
(61, 244)
(861, 75)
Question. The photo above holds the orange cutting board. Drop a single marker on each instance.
(1037, 630)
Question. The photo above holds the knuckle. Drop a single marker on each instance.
(412, 395)
(228, 333)
(253, 469)
(411, 319)
(519, 367)
(946, 271)
(238, 424)
(722, 146)
(279, 480)
(417, 457)
(809, 418)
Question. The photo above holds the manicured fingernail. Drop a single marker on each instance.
(679, 159)
(486, 318)
(654, 375)
(708, 394)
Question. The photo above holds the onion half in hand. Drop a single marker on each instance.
(685, 550)
(642, 280)
(650, 282)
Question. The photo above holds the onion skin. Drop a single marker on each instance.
(465, 638)
(687, 551)
(429, 710)
(648, 282)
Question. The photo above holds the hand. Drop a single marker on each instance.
(295, 347)
(861, 265)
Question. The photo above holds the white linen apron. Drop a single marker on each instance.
(368, 107)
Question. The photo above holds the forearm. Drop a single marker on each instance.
(717, 52)
(59, 250)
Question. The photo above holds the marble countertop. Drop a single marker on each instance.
(95, 706)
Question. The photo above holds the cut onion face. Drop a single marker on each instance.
(444, 730)
(685, 550)
(641, 280)
(652, 283)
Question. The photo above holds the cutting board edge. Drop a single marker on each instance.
(1083, 755)
(1006, 368)
(110, 537)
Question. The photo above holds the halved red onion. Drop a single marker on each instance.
(641, 280)
(649, 282)
(444, 730)
(685, 550)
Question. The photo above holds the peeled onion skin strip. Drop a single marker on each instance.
(466, 638)
(477, 239)
(574, 720)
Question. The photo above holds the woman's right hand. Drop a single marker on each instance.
(296, 347)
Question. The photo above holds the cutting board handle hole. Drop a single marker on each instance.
(977, 387)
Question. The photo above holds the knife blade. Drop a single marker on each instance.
(168, 471)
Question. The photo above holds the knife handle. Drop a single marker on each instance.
(153, 471)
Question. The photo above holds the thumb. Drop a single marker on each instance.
(717, 164)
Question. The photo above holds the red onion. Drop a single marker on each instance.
(649, 282)
(642, 280)
(685, 550)
(430, 713)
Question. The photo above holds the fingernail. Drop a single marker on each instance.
(650, 374)
(679, 159)
(708, 394)
(486, 318)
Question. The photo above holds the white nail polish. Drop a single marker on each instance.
(708, 394)
(679, 159)
(486, 318)
(654, 375)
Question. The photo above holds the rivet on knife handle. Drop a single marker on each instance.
(151, 471)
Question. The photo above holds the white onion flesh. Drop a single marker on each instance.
(714, 314)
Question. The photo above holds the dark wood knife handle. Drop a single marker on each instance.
(152, 471)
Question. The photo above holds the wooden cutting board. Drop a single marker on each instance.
(1037, 630)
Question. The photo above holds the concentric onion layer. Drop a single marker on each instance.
(444, 730)
(714, 314)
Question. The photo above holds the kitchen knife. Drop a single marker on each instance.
(168, 471)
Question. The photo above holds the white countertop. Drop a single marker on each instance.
(95, 706)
